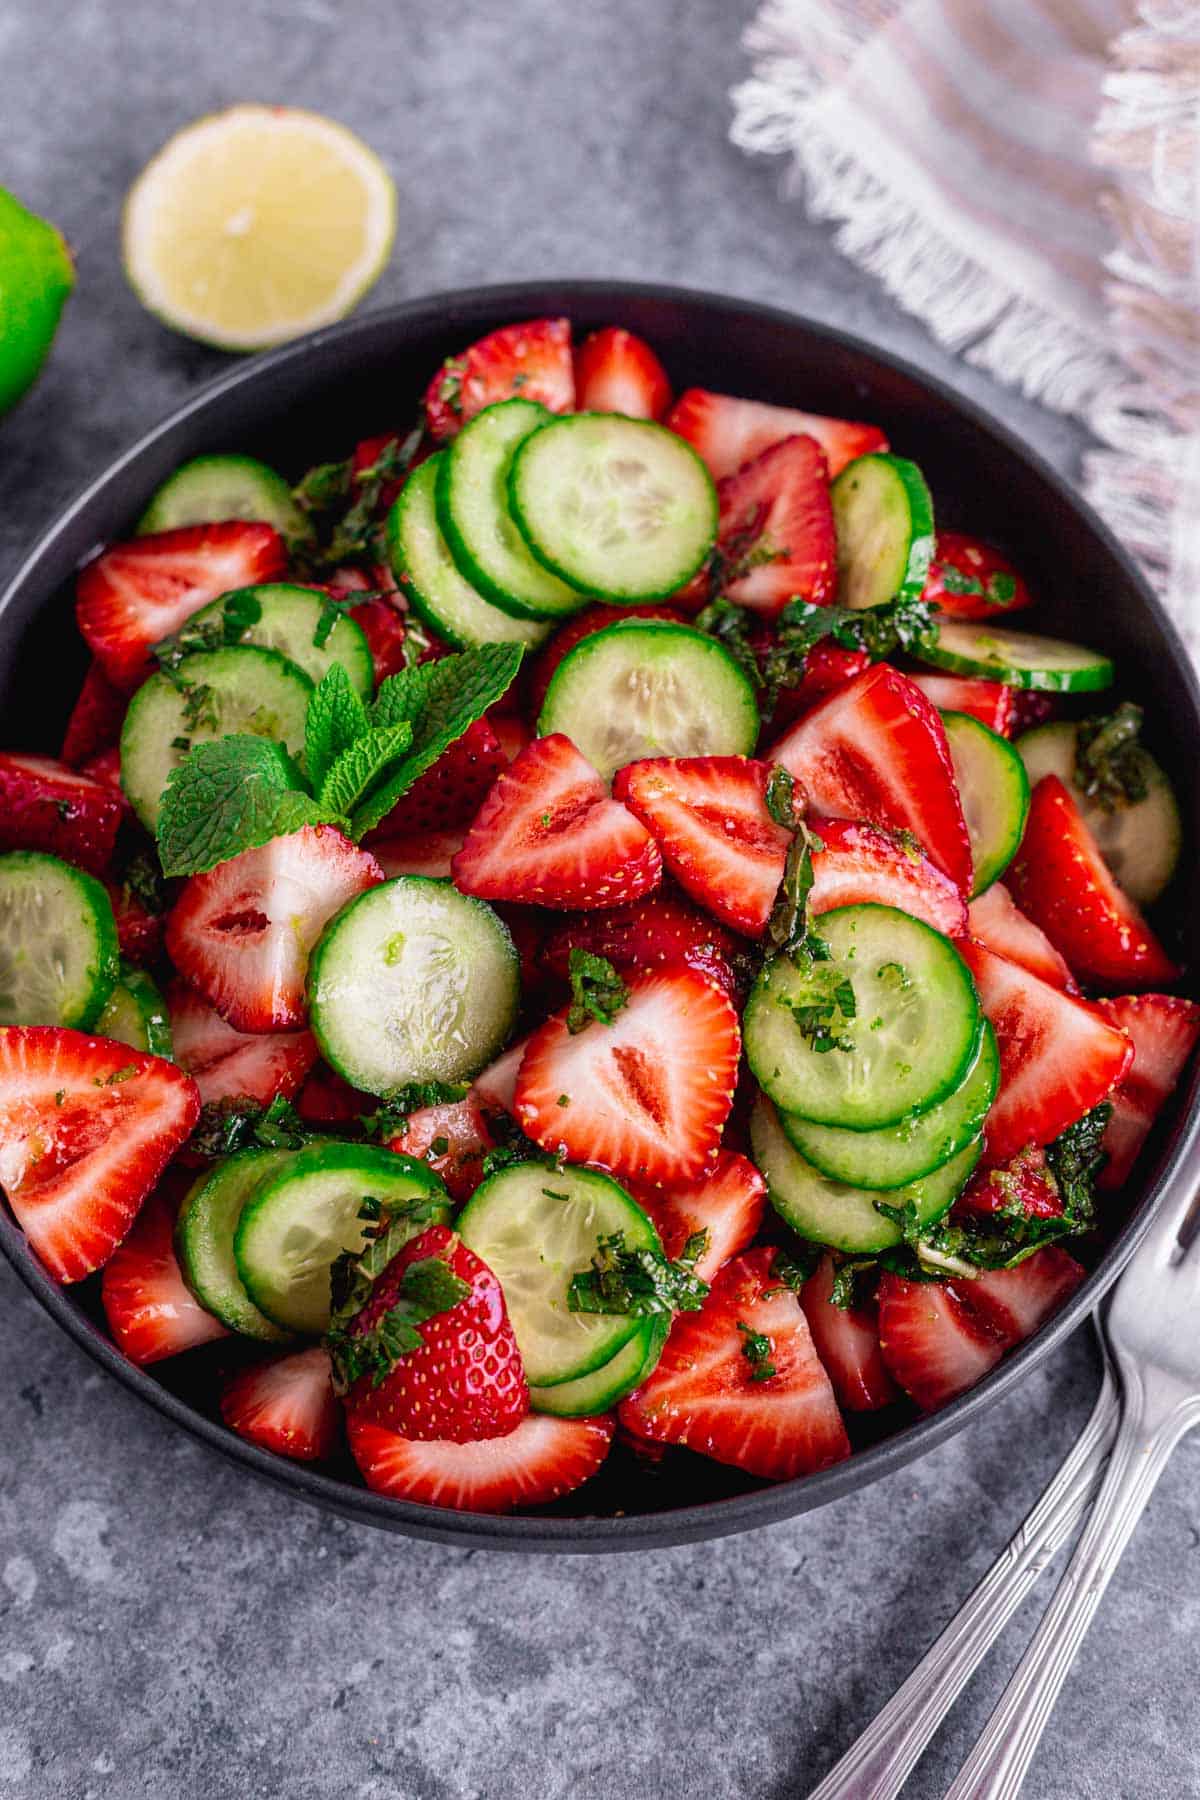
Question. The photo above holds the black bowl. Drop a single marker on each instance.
(308, 403)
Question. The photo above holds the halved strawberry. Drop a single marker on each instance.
(452, 791)
(707, 1393)
(581, 625)
(864, 863)
(727, 1204)
(105, 768)
(531, 360)
(453, 1138)
(618, 372)
(1025, 1180)
(933, 1343)
(778, 509)
(95, 721)
(1015, 1302)
(709, 816)
(1163, 1029)
(995, 920)
(135, 593)
(44, 805)
(235, 1065)
(286, 1404)
(729, 432)
(1061, 880)
(847, 1341)
(876, 750)
(139, 931)
(150, 1309)
(549, 834)
(241, 933)
(327, 1099)
(827, 667)
(543, 1459)
(660, 932)
(383, 627)
(1059, 1057)
(647, 1095)
(87, 1126)
(988, 701)
(971, 580)
(495, 1087)
(418, 852)
(512, 734)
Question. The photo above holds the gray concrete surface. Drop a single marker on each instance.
(171, 1631)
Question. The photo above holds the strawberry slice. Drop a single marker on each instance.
(1015, 1302)
(452, 791)
(136, 593)
(709, 816)
(532, 360)
(87, 1126)
(996, 921)
(847, 1341)
(729, 432)
(1059, 1057)
(548, 833)
(96, 717)
(585, 624)
(777, 508)
(286, 1404)
(934, 1345)
(327, 1099)
(495, 1087)
(1025, 1180)
(241, 933)
(150, 1309)
(44, 805)
(1060, 879)
(970, 580)
(648, 1094)
(231, 1065)
(862, 863)
(1163, 1029)
(512, 734)
(418, 853)
(876, 750)
(618, 372)
(707, 1393)
(139, 931)
(827, 667)
(106, 769)
(453, 1138)
(988, 701)
(543, 1459)
(659, 932)
(727, 1204)
(383, 627)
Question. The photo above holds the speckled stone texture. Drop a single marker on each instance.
(170, 1630)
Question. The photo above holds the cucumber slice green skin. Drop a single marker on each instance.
(1140, 841)
(901, 1154)
(534, 1240)
(249, 690)
(883, 514)
(290, 618)
(648, 687)
(600, 1391)
(914, 1034)
(204, 1234)
(59, 957)
(297, 1222)
(476, 519)
(1017, 658)
(210, 489)
(994, 790)
(620, 508)
(429, 577)
(135, 1013)
(830, 1212)
(412, 981)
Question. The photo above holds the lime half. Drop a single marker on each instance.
(36, 275)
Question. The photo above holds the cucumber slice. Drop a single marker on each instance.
(412, 981)
(535, 1226)
(429, 577)
(58, 943)
(1017, 658)
(994, 790)
(474, 514)
(647, 687)
(210, 489)
(600, 1391)
(298, 1221)
(204, 1233)
(291, 619)
(830, 1212)
(135, 1013)
(910, 1030)
(900, 1154)
(238, 690)
(1140, 840)
(883, 514)
(619, 507)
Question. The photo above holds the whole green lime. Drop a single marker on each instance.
(36, 275)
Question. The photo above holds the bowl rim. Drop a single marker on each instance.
(760, 1506)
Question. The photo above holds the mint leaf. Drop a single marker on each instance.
(336, 717)
(228, 796)
(361, 765)
(401, 696)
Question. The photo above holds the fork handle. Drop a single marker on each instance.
(882, 1759)
(1151, 1425)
